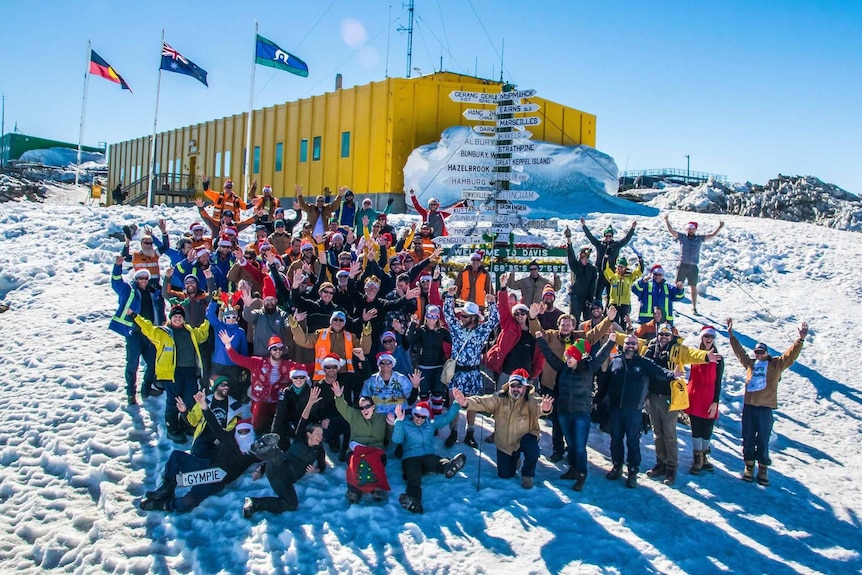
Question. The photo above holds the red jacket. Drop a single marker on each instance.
(510, 333)
(261, 389)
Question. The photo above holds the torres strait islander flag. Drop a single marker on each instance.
(99, 67)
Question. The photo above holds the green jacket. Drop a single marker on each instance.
(368, 432)
(163, 339)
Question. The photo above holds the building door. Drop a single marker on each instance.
(192, 171)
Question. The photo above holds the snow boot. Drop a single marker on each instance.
(632, 478)
(378, 494)
(470, 440)
(569, 474)
(616, 472)
(454, 465)
(132, 400)
(162, 492)
(579, 484)
(762, 475)
(748, 474)
(697, 463)
(527, 482)
(707, 465)
(658, 470)
(452, 439)
(670, 476)
(155, 505)
(411, 504)
(353, 495)
(556, 456)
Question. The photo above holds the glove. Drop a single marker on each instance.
(390, 201)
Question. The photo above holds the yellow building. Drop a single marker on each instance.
(357, 137)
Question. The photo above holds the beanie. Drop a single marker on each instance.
(177, 310)
(579, 349)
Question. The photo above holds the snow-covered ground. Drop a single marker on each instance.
(74, 459)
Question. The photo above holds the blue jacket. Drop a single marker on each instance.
(419, 439)
(223, 266)
(130, 298)
(240, 343)
(185, 268)
(651, 294)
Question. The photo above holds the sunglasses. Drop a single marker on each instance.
(408, 261)
(330, 367)
(231, 316)
(338, 319)
(759, 351)
(366, 406)
(243, 431)
(274, 348)
(516, 385)
(432, 317)
(520, 313)
(327, 292)
(146, 243)
(420, 416)
(385, 362)
(298, 377)
(385, 341)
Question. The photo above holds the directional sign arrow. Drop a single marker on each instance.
(473, 97)
(481, 208)
(457, 240)
(476, 114)
(511, 176)
(539, 224)
(534, 161)
(519, 239)
(516, 148)
(517, 109)
(525, 121)
(470, 168)
(471, 218)
(201, 477)
(507, 219)
(517, 195)
(485, 130)
(514, 134)
(501, 228)
(477, 194)
(514, 209)
(516, 94)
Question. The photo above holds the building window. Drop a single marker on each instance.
(218, 165)
(255, 169)
(345, 144)
(279, 149)
(227, 164)
(303, 150)
(156, 169)
(315, 148)
(122, 175)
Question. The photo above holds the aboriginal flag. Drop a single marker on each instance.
(99, 67)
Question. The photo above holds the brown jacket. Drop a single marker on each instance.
(512, 419)
(325, 212)
(767, 397)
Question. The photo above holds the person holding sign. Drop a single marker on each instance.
(762, 374)
(207, 476)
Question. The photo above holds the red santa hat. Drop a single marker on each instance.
(383, 356)
(707, 330)
(332, 359)
(422, 409)
(268, 288)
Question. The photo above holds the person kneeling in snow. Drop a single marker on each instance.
(232, 456)
(417, 435)
(284, 468)
(366, 461)
(516, 424)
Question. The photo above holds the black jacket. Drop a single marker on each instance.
(574, 389)
(584, 277)
(626, 386)
(429, 344)
(228, 455)
(608, 252)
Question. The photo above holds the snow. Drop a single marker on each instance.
(74, 459)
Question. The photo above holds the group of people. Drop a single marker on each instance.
(347, 333)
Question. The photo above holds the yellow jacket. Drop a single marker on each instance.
(620, 290)
(163, 339)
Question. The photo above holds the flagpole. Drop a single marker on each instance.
(248, 151)
(152, 179)
(83, 114)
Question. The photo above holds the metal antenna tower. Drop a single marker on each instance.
(409, 30)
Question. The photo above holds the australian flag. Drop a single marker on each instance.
(173, 61)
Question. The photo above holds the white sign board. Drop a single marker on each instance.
(473, 97)
(457, 240)
(525, 121)
(512, 176)
(501, 228)
(519, 239)
(470, 168)
(516, 94)
(539, 224)
(513, 209)
(517, 195)
(477, 194)
(476, 114)
(485, 130)
(514, 134)
(517, 109)
(516, 148)
(471, 218)
(507, 219)
(536, 161)
(202, 477)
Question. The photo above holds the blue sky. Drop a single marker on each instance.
(746, 89)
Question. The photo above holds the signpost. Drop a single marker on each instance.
(517, 195)
(477, 194)
(474, 97)
(457, 240)
(517, 109)
(202, 477)
(525, 121)
(483, 115)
